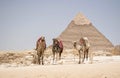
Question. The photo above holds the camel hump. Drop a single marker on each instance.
(86, 41)
(85, 38)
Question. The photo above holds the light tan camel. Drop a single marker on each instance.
(83, 48)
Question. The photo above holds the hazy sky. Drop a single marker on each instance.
(22, 22)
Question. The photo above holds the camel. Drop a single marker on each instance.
(83, 48)
(57, 49)
(40, 48)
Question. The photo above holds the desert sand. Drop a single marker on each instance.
(102, 67)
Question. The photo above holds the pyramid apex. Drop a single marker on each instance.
(80, 19)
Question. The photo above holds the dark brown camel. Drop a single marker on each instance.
(57, 49)
(40, 47)
(83, 48)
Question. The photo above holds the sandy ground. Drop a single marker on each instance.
(102, 67)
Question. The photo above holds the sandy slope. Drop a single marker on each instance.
(98, 70)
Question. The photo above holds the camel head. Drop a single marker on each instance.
(42, 38)
(55, 41)
(74, 44)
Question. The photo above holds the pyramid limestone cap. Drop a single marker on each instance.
(80, 19)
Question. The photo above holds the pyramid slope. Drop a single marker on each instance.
(76, 30)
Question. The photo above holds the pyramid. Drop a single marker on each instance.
(79, 27)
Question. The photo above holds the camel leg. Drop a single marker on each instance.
(83, 57)
(60, 53)
(57, 55)
(60, 56)
(42, 57)
(53, 57)
(38, 54)
(42, 60)
(38, 59)
(87, 54)
(79, 58)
